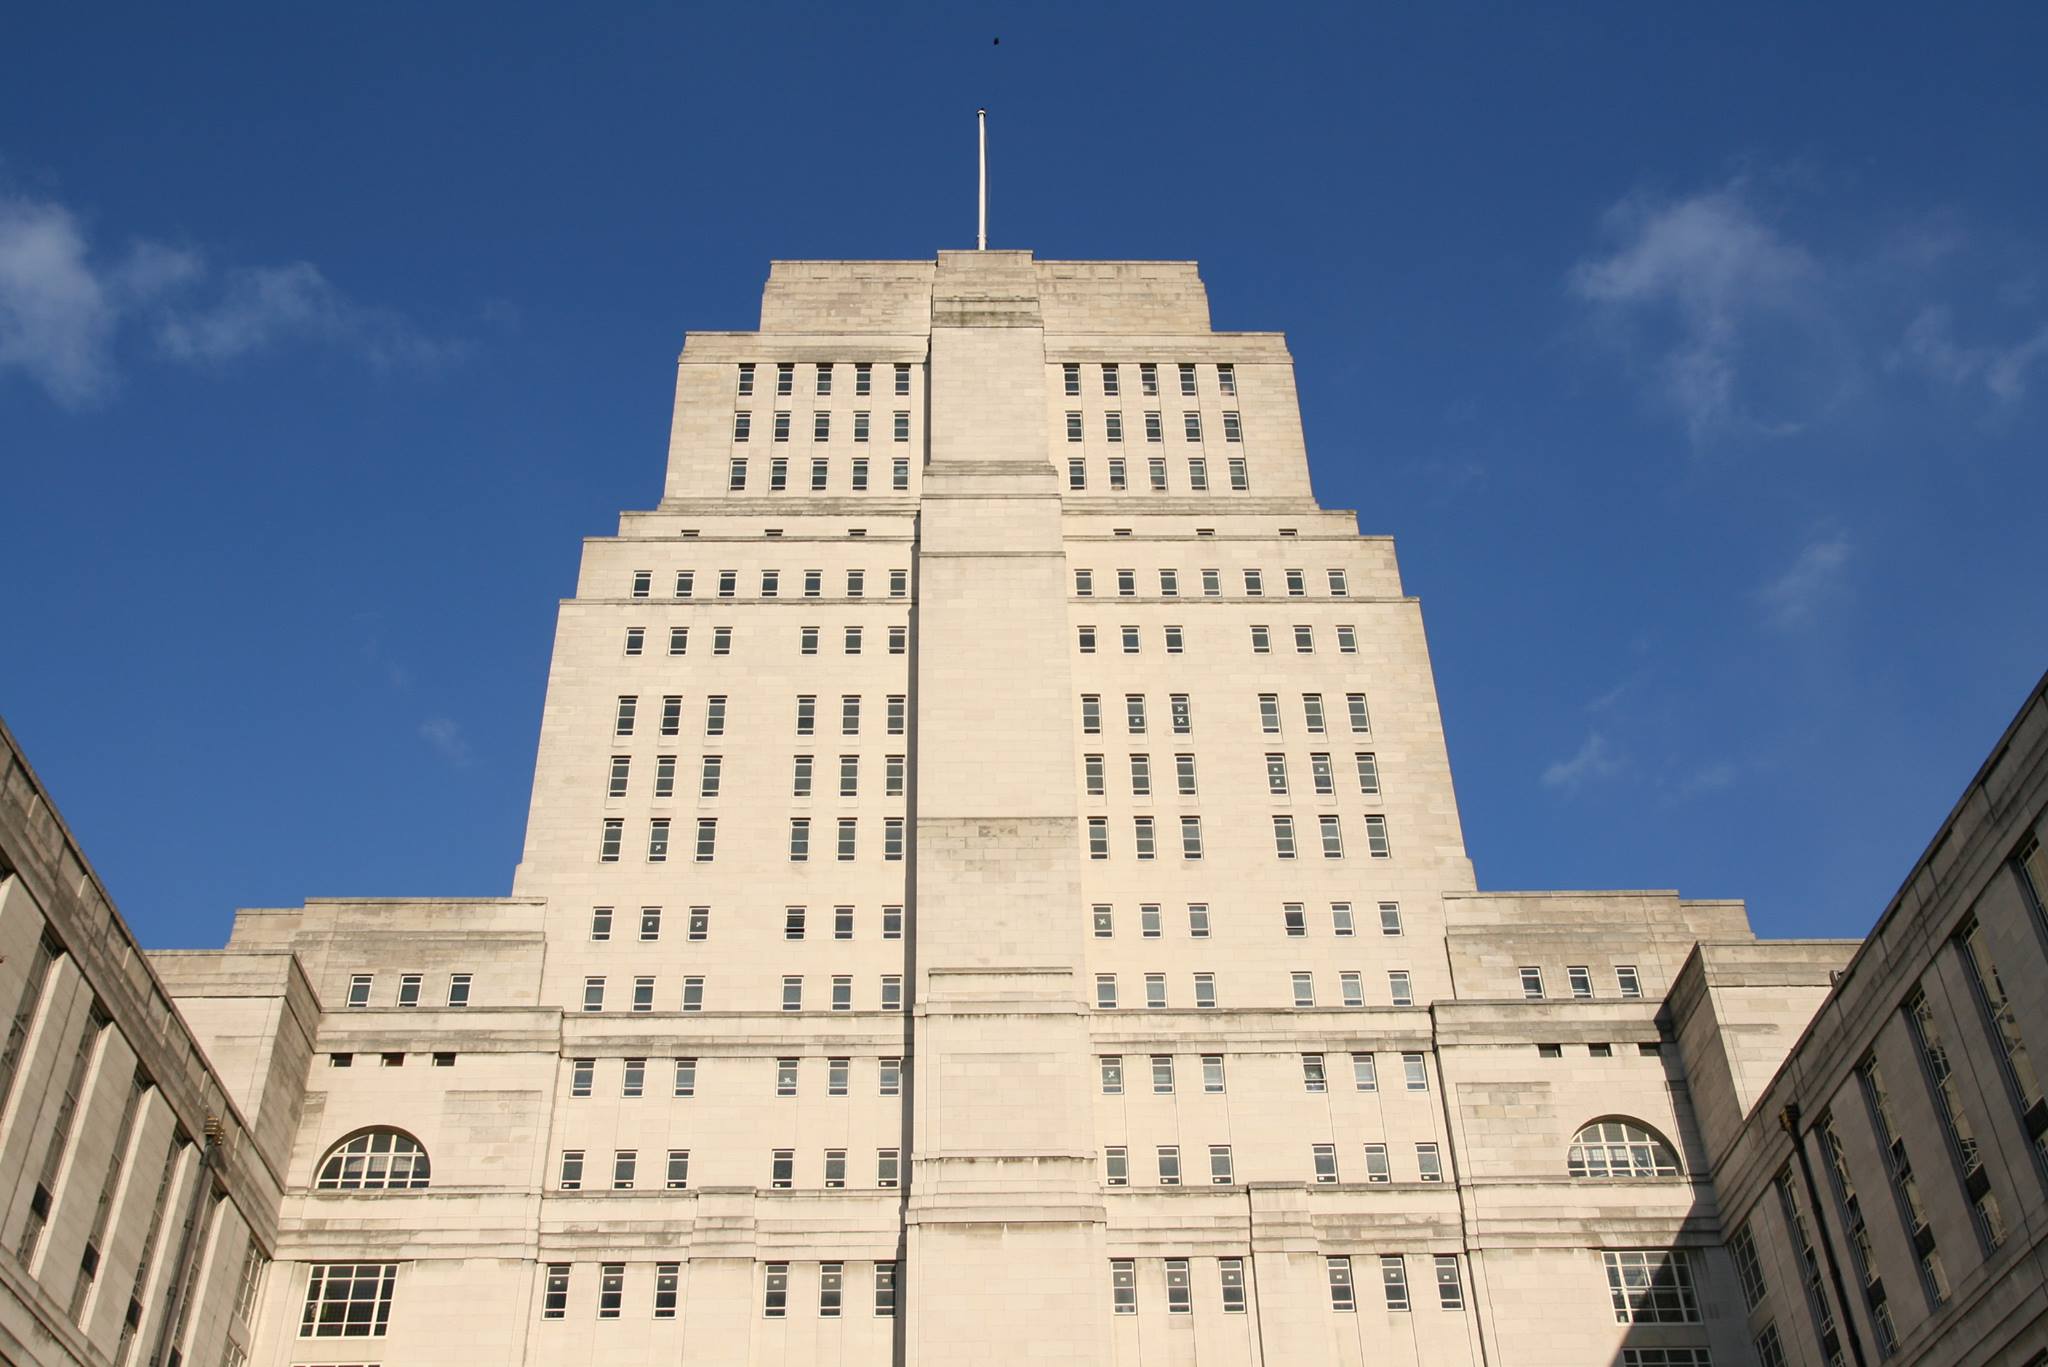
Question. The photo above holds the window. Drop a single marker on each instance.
(643, 994)
(1333, 836)
(1365, 1073)
(778, 474)
(1429, 1162)
(409, 989)
(1283, 837)
(1376, 1166)
(1450, 1288)
(1084, 639)
(666, 1278)
(1748, 1270)
(1376, 843)
(1149, 925)
(782, 1169)
(375, 1160)
(1112, 1070)
(1580, 979)
(1626, 978)
(1957, 1124)
(1769, 1351)
(785, 1071)
(555, 1298)
(1178, 1294)
(1262, 640)
(1191, 837)
(1304, 989)
(1368, 774)
(1205, 990)
(1198, 474)
(1169, 1165)
(1399, 987)
(1184, 774)
(611, 1290)
(900, 426)
(1321, 775)
(636, 640)
(348, 1300)
(458, 991)
(593, 994)
(572, 1170)
(897, 714)
(1394, 1279)
(736, 469)
(359, 985)
(1130, 639)
(1312, 713)
(1325, 1159)
(1212, 1073)
(625, 1163)
(1414, 1072)
(1294, 920)
(1119, 478)
(1313, 1076)
(693, 994)
(1304, 640)
(686, 1077)
(892, 923)
(842, 994)
(707, 839)
(1352, 985)
(835, 1169)
(1650, 1286)
(1361, 720)
(888, 1168)
(775, 1283)
(1155, 991)
(1182, 714)
(1123, 1286)
(1098, 837)
(2001, 1022)
(1233, 426)
(892, 993)
(1162, 1074)
(1347, 640)
(1231, 1278)
(1532, 983)
(1339, 1272)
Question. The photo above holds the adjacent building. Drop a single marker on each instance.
(994, 892)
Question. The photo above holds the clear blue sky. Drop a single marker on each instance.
(1697, 357)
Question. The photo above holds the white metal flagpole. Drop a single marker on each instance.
(981, 232)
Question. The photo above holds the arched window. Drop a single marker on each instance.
(1620, 1148)
(374, 1160)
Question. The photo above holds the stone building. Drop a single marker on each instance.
(994, 892)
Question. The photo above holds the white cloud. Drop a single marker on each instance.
(263, 306)
(1929, 346)
(1816, 577)
(1594, 760)
(1699, 273)
(446, 738)
(55, 316)
(64, 309)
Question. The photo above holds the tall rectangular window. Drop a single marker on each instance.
(775, 1285)
(1394, 1280)
(1338, 1271)
(1123, 1286)
(348, 1300)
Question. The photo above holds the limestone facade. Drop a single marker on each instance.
(994, 892)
